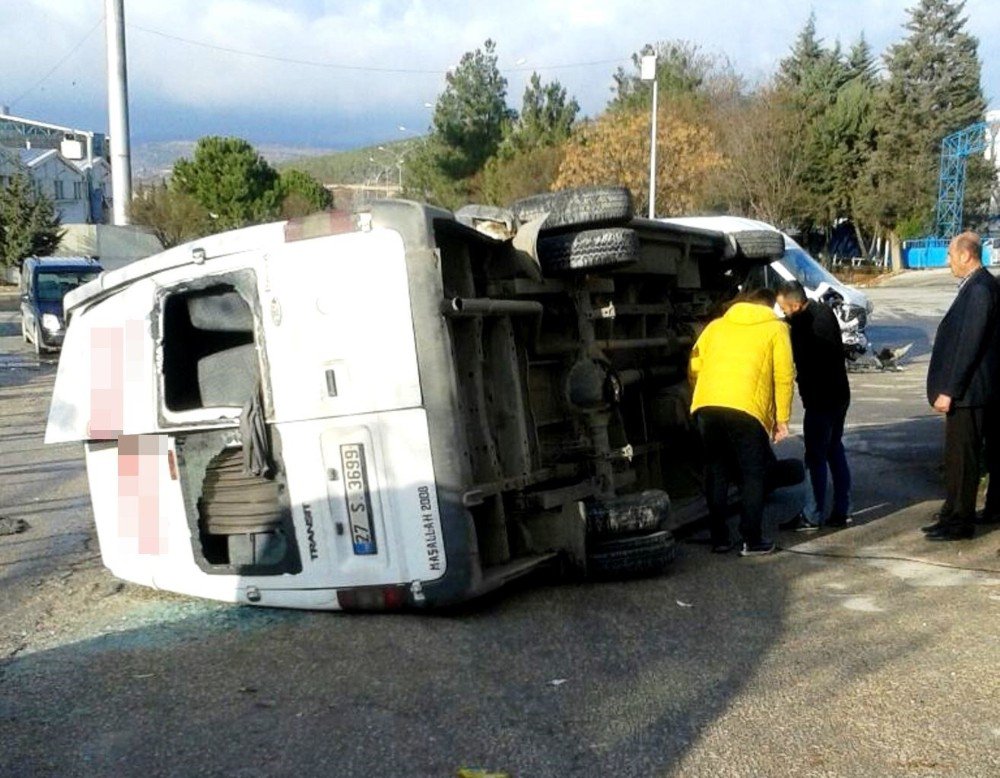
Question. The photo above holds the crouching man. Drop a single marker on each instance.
(741, 370)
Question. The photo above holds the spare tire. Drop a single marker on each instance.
(641, 555)
(784, 472)
(760, 244)
(575, 207)
(632, 514)
(589, 250)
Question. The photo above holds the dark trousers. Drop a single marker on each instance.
(736, 447)
(964, 434)
(992, 507)
(823, 432)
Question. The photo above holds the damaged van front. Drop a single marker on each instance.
(398, 408)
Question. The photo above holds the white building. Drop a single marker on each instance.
(66, 165)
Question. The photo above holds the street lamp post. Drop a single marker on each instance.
(648, 73)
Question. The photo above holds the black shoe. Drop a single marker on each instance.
(798, 524)
(982, 517)
(757, 549)
(952, 532)
(935, 527)
(838, 520)
(723, 548)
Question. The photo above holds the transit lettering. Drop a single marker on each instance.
(310, 532)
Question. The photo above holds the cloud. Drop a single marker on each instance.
(184, 60)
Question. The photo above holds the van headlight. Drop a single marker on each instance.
(51, 322)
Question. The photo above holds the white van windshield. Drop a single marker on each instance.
(807, 271)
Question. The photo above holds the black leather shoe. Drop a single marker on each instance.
(982, 517)
(838, 520)
(952, 532)
(935, 527)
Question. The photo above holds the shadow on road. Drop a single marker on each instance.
(585, 679)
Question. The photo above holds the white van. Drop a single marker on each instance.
(850, 304)
(395, 409)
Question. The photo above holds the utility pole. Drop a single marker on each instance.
(648, 73)
(121, 159)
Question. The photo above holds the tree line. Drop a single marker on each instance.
(831, 138)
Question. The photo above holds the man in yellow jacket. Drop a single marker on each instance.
(742, 372)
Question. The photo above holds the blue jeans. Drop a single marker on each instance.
(823, 431)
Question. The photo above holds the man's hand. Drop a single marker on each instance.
(780, 431)
(942, 404)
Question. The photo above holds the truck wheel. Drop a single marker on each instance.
(642, 555)
(760, 244)
(574, 207)
(632, 514)
(589, 250)
(784, 472)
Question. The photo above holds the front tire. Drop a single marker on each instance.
(632, 557)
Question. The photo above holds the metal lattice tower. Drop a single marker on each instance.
(955, 150)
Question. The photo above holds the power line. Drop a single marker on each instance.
(357, 68)
(58, 65)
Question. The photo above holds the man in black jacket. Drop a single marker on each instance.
(822, 377)
(961, 383)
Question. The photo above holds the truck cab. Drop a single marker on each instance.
(396, 408)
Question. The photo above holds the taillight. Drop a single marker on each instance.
(372, 598)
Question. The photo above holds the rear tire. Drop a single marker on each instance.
(588, 250)
(575, 207)
(760, 244)
(642, 555)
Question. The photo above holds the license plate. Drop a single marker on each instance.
(359, 501)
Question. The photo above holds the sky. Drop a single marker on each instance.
(339, 75)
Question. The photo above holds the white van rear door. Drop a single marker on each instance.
(105, 385)
(338, 328)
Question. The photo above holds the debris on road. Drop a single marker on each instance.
(886, 359)
(10, 526)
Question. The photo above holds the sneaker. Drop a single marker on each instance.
(838, 521)
(799, 524)
(757, 549)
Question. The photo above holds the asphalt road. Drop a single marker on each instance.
(860, 652)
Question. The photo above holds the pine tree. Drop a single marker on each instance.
(546, 115)
(806, 54)
(861, 62)
(683, 72)
(231, 180)
(29, 225)
(471, 114)
(933, 89)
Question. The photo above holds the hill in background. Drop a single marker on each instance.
(356, 166)
(154, 161)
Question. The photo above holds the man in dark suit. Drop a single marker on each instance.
(961, 383)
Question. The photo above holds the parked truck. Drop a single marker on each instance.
(401, 408)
